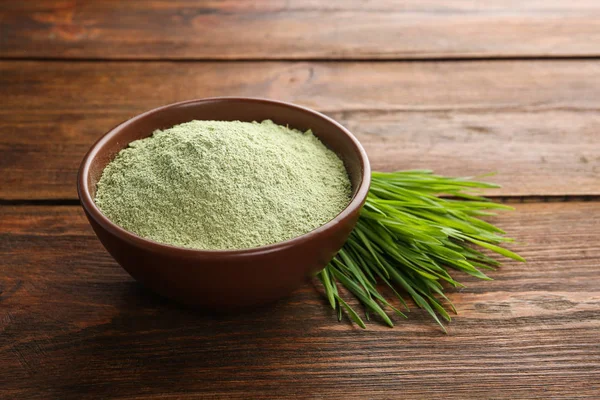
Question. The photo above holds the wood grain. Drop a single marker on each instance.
(74, 325)
(282, 29)
(535, 124)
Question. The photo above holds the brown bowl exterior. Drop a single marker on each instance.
(225, 280)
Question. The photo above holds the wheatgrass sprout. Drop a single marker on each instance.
(409, 238)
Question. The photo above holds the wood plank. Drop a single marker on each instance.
(535, 123)
(283, 29)
(74, 325)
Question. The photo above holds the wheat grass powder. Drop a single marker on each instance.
(224, 185)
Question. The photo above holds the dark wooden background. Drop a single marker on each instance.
(461, 87)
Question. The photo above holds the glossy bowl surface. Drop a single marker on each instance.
(221, 279)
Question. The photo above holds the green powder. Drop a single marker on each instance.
(224, 185)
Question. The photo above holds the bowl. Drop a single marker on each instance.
(223, 279)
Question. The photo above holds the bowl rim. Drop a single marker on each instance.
(94, 212)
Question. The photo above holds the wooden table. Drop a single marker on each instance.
(461, 87)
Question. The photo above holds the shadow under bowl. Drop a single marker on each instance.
(223, 280)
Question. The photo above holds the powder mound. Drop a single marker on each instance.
(224, 185)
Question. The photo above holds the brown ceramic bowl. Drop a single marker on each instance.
(224, 280)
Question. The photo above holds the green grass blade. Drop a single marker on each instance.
(351, 313)
(414, 229)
